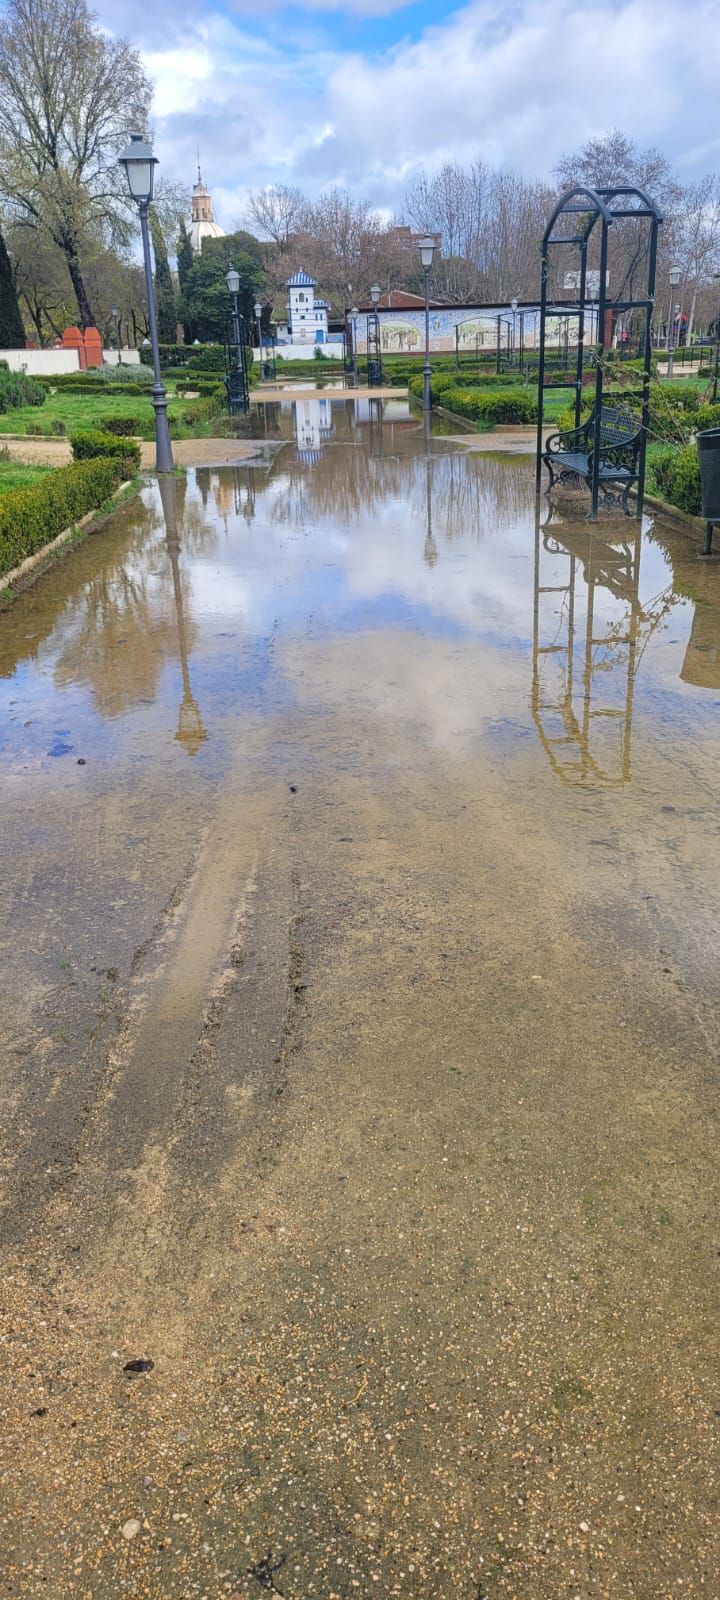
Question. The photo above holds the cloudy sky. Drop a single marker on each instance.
(364, 92)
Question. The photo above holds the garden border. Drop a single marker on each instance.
(33, 566)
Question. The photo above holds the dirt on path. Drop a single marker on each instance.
(186, 452)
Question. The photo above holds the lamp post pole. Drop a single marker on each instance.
(427, 251)
(716, 276)
(354, 314)
(258, 318)
(674, 276)
(513, 308)
(140, 163)
(115, 314)
(375, 376)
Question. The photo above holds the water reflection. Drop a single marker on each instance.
(191, 732)
(391, 532)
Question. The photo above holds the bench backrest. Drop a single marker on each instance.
(616, 427)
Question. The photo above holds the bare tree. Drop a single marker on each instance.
(277, 212)
(69, 97)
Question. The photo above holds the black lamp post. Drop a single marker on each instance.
(258, 318)
(236, 370)
(674, 275)
(354, 314)
(374, 362)
(140, 163)
(427, 251)
(716, 277)
(115, 314)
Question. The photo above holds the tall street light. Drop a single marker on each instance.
(716, 278)
(674, 275)
(374, 375)
(236, 377)
(258, 318)
(140, 163)
(115, 314)
(354, 314)
(513, 308)
(427, 251)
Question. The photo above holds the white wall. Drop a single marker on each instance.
(304, 352)
(41, 363)
(130, 358)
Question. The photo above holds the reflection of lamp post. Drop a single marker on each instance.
(674, 276)
(140, 163)
(427, 251)
(430, 554)
(190, 730)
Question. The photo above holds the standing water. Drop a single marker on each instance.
(359, 1072)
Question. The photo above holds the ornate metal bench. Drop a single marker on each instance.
(569, 455)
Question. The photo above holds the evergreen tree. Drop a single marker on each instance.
(185, 259)
(12, 332)
(164, 289)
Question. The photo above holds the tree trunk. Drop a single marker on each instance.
(691, 318)
(69, 249)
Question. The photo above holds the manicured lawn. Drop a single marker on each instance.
(85, 411)
(14, 475)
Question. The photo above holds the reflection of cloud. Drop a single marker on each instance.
(437, 690)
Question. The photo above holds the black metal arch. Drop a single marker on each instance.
(604, 206)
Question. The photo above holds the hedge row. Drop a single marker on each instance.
(91, 444)
(676, 475)
(499, 405)
(30, 518)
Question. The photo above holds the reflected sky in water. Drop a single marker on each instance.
(211, 604)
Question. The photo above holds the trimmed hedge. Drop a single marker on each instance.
(91, 444)
(122, 427)
(31, 518)
(676, 475)
(514, 406)
(707, 416)
(66, 381)
(209, 405)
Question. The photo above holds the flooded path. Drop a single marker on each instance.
(359, 1062)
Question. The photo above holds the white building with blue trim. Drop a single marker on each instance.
(307, 315)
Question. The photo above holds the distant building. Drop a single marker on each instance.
(306, 317)
(202, 221)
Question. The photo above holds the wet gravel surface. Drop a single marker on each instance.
(359, 1187)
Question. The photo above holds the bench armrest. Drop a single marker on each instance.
(570, 439)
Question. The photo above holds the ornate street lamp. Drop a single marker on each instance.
(115, 314)
(354, 314)
(427, 251)
(140, 163)
(373, 340)
(235, 369)
(258, 318)
(674, 276)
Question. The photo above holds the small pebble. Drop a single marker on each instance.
(131, 1528)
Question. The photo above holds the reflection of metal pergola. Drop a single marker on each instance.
(574, 710)
(589, 208)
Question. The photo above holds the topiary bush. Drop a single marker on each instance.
(675, 473)
(121, 427)
(16, 390)
(707, 416)
(30, 518)
(90, 444)
(509, 406)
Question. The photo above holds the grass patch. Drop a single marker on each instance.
(16, 475)
(78, 412)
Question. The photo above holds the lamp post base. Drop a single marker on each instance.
(163, 447)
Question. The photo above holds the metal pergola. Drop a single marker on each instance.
(593, 206)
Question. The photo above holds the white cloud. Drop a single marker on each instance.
(516, 83)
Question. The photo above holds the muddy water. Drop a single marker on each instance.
(359, 953)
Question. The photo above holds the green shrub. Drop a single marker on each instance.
(121, 427)
(514, 406)
(707, 416)
(30, 518)
(91, 444)
(210, 405)
(675, 473)
(16, 390)
(80, 383)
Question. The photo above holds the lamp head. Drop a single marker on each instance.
(354, 311)
(427, 251)
(258, 310)
(675, 275)
(139, 163)
(513, 304)
(375, 294)
(114, 312)
(232, 279)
